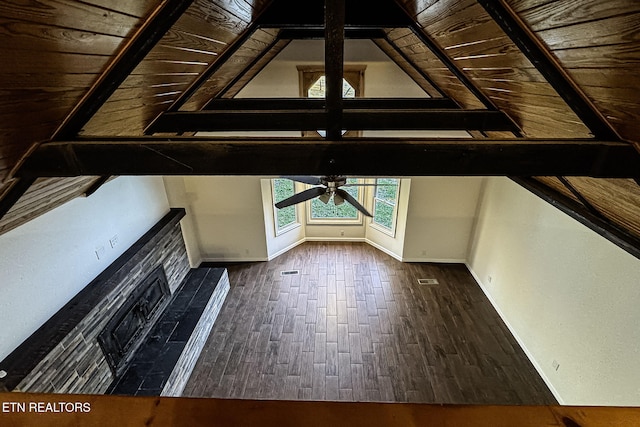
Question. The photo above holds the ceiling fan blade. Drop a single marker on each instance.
(349, 198)
(312, 180)
(301, 197)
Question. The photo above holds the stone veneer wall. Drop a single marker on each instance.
(77, 364)
(187, 361)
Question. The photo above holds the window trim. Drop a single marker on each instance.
(291, 226)
(394, 219)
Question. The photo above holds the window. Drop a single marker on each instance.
(285, 218)
(313, 85)
(318, 89)
(329, 212)
(385, 204)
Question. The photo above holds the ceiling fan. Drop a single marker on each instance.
(327, 186)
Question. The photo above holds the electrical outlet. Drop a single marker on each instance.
(100, 252)
(113, 241)
(342, 232)
(555, 364)
(424, 253)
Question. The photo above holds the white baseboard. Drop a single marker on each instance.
(383, 249)
(236, 259)
(288, 248)
(438, 260)
(334, 239)
(533, 361)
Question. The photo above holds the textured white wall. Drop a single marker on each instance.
(47, 261)
(440, 219)
(227, 217)
(568, 295)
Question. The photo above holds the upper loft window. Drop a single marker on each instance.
(313, 85)
(319, 89)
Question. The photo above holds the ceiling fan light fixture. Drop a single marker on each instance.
(324, 198)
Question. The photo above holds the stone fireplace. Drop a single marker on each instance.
(126, 331)
(88, 345)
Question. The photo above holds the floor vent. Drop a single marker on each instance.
(289, 272)
(427, 281)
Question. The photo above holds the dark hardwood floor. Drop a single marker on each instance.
(355, 325)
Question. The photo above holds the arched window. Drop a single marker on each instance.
(313, 85)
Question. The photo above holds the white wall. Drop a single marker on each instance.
(227, 216)
(440, 218)
(47, 261)
(179, 198)
(382, 77)
(567, 294)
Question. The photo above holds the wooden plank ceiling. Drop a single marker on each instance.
(62, 75)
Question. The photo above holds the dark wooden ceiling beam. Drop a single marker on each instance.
(308, 120)
(549, 67)
(358, 14)
(311, 156)
(319, 103)
(141, 43)
(607, 229)
(318, 33)
(334, 15)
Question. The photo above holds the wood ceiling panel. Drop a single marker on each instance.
(409, 68)
(194, 42)
(259, 65)
(428, 63)
(556, 184)
(544, 14)
(137, 8)
(617, 199)
(598, 44)
(53, 51)
(36, 37)
(616, 30)
(70, 14)
(479, 47)
(256, 44)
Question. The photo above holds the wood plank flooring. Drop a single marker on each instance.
(355, 325)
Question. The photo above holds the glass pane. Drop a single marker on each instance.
(383, 214)
(320, 210)
(318, 89)
(388, 191)
(283, 188)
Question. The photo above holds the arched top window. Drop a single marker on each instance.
(313, 85)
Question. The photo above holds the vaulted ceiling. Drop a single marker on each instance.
(548, 90)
